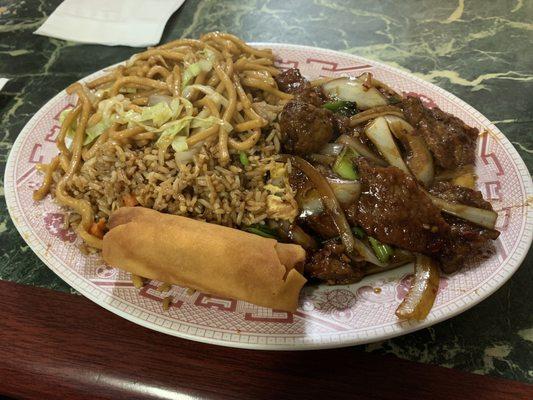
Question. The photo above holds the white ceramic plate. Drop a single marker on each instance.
(328, 316)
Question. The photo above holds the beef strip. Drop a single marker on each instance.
(451, 141)
(305, 128)
(460, 194)
(467, 242)
(322, 225)
(332, 266)
(396, 211)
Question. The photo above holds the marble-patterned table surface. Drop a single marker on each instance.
(478, 50)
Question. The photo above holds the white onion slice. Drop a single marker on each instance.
(331, 149)
(360, 148)
(351, 89)
(379, 133)
(347, 192)
(418, 302)
(420, 161)
(479, 216)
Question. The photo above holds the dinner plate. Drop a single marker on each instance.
(328, 316)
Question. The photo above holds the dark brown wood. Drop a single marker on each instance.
(57, 346)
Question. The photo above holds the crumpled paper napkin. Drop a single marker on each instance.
(136, 23)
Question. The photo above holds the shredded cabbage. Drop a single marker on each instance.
(62, 117)
(180, 128)
(208, 122)
(96, 130)
(209, 55)
(112, 106)
(109, 109)
(159, 114)
(212, 94)
(179, 144)
(203, 65)
(194, 70)
(152, 118)
(159, 118)
(168, 134)
(188, 106)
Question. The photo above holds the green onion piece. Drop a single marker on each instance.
(383, 251)
(244, 158)
(261, 230)
(358, 232)
(346, 108)
(395, 100)
(343, 165)
(335, 105)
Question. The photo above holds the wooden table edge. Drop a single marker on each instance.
(57, 345)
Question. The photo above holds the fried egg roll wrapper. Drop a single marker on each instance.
(210, 258)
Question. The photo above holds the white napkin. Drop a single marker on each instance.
(3, 81)
(136, 23)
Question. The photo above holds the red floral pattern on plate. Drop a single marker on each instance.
(405, 283)
(55, 224)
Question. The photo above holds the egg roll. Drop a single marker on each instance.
(206, 257)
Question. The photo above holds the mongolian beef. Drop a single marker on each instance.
(402, 174)
(342, 172)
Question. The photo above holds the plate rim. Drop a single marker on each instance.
(399, 329)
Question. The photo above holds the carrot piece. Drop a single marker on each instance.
(97, 229)
(130, 200)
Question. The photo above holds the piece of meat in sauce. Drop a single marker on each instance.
(467, 242)
(322, 225)
(291, 81)
(305, 128)
(394, 209)
(342, 126)
(450, 140)
(332, 266)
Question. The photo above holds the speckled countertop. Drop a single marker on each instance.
(478, 50)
